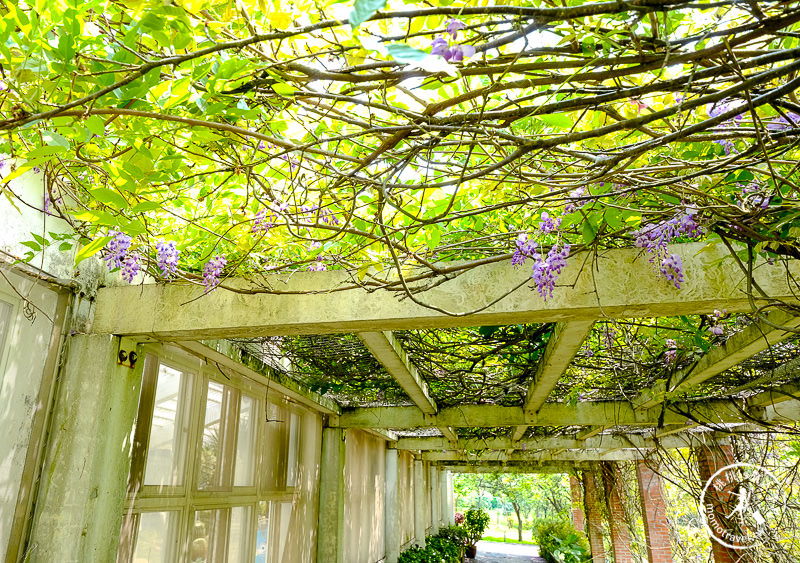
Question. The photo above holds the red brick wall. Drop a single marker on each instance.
(594, 516)
(710, 459)
(618, 523)
(578, 518)
(654, 511)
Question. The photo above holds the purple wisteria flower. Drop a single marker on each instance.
(116, 250)
(453, 27)
(717, 330)
(609, 334)
(439, 46)
(752, 198)
(547, 269)
(723, 106)
(318, 265)
(574, 202)
(672, 351)
(782, 123)
(130, 267)
(328, 217)
(167, 258)
(261, 223)
(672, 269)
(525, 249)
(727, 146)
(547, 224)
(212, 271)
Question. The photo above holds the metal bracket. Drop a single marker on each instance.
(127, 355)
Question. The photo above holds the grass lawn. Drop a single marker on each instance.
(512, 539)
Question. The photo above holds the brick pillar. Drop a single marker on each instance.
(618, 523)
(594, 517)
(710, 459)
(578, 518)
(654, 514)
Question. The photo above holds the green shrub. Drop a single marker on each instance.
(559, 542)
(475, 522)
(445, 547)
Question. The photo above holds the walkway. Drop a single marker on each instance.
(496, 552)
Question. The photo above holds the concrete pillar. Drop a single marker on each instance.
(618, 523)
(444, 517)
(710, 459)
(594, 517)
(654, 511)
(81, 499)
(419, 504)
(391, 509)
(451, 501)
(576, 493)
(435, 495)
(330, 527)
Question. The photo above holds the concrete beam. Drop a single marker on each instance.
(567, 455)
(620, 284)
(604, 442)
(588, 413)
(224, 353)
(391, 355)
(564, 343)
(528, 467)
(754, 339)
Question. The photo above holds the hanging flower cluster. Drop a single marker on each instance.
(455, 53)
(167, 258)
(212, 271)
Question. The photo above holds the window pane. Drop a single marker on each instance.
(164, 451)
(291, 462)
(283, 532)
(209, 473)
(208, 536)
(239, 534)
(262, 532)
(154, 539)
(245, 442)
(5, 323)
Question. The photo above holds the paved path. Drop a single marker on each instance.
(496, 552)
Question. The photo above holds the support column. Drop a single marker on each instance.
(330, 527)
(618, 523)
(594, 517)
(451, 501)
(391, 509)
(435, 508)
(81, 500)
(710, 459)
(419, 504)
(444, 517)
(654, 511)
(576, 493)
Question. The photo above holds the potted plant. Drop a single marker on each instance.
(475, 522)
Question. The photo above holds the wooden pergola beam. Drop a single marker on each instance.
(564, 343)
(589, 413)
(754, 339)
(620, 284)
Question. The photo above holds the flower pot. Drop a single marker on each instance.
(472, 550)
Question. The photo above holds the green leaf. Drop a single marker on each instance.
(91, 249)
(589, 232)
(54, 139)
(402, 53)
(283, 89)
(145, 206)
(32, 245)
(363, 10)
(556, 120)
(109, 197)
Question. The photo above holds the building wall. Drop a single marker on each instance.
(364, 494)
(22, 363)
(405, 473)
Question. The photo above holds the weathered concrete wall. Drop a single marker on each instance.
(365, 489)
(22, 362)
(405, 474)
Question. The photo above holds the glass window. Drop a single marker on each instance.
(155, 537)
(262, 531)
(211, 464)
(167, 433)
(220, 535)
(239, 534)
(246, 442)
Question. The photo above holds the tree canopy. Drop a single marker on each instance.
(402, 142)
